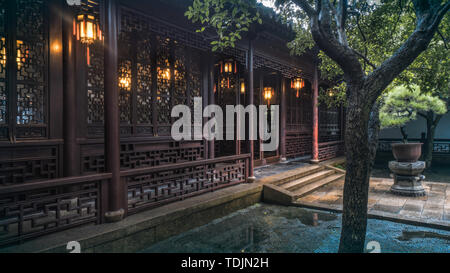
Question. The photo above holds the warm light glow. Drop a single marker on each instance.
(298, 83)
(87, 29)
(268, 93)
(165, 74)
(242, 87)
(331, 93)
(3, 53)
(21, 58)
(228, 68)
(125, 83)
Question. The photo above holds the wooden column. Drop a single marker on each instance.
(71, 158)
(205, 97)
(315, 106)
(211, 100)
(251, 101)
(117, 189)
(283, 120)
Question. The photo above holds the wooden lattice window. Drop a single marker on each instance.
(299, 109)
(329, 123)
(155, 73)
(23, 69)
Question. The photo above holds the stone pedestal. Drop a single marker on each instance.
(408, 178)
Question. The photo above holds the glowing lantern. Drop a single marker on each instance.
(298, 84)
(87, 29)
(242, 87)
(268, 94)
(228, 67)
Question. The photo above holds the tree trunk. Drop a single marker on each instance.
(360, 153)
(429, 144)
(404, 134)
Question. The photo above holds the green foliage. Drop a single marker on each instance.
(229, 19)
(375, 29)
(402, 104)
(335, 96)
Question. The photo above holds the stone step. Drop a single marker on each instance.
(299, 183)
(317, 184)
(300, 173)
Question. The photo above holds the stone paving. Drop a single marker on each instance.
(435, 207)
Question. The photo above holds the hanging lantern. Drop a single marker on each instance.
(298, 83)
(268, 93)
(228, 67)
(242, 87)
(330, 93)
(87, 29)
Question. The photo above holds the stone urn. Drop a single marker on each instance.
(407, 170)
(407, 152)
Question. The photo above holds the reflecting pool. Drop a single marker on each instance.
(266, 228)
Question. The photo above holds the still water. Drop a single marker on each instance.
(265, 228)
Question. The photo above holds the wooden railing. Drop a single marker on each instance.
(155, 186)
(34, 209)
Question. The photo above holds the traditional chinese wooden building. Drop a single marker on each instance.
(86, 94)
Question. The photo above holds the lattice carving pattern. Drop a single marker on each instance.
(3, 93)
(28, 165)
(95, 85)
(161, 187)
(125, 99)
(31, 61)
(142, 155)
(144, 81)
(33, 213)
(329, 124)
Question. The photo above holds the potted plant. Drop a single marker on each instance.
(402, 105)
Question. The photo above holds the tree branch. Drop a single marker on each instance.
(428, 18)
(443, 39)
(323, 35)
(365, 59)
(306, 7)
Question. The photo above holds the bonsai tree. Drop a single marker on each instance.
(402, 105)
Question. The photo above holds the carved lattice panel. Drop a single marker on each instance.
(157, 188)
(21, 165)
(3, 93)
(329, 124)
(164, 72)
(95, 88)
(125, 99)
(142, 155)
(30, 214)
(144, 82)
(180, 84)
(31, 58)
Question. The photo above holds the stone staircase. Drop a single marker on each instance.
(299, 183)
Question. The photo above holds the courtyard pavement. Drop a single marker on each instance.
(433, 208)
